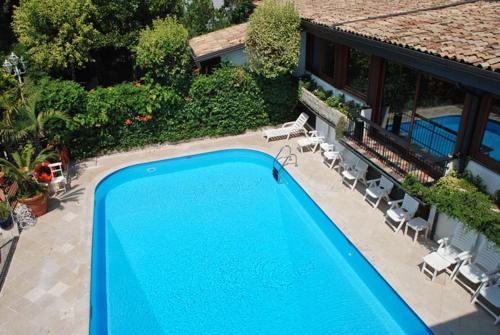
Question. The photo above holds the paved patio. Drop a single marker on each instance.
(47, 287)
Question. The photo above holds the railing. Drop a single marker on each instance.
(393, 151)
(425, 132)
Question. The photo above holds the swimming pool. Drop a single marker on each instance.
(423, 135)
(212, 244)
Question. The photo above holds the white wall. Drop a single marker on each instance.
(236, 57)
(489, 177)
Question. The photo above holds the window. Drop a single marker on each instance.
(400, 85)
(425, 110)
(320, 57)
(209, 65)
(490, 141)
(358, 66)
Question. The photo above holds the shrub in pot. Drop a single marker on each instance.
(30, 192)
(5, 216)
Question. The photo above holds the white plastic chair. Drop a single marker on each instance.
(401, 211)
(355, 174)
(378, 189)
(333, 153)
(451, 250)
(288, 129)
(489, 290)
(312, 140)
(476, 268)
(59, 181)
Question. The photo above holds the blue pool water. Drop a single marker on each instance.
(212, 244)
(435, 143)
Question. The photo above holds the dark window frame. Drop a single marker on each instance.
(310, 45)
(345, 86)
(482, 121)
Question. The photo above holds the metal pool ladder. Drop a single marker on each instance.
(283, 157)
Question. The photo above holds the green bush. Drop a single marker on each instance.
(62, 95)
(163, 53)
(227, 102)
(120, 117)
(458, 198)
(280, 96)
(273, 39)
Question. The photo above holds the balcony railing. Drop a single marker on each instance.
(393, 151)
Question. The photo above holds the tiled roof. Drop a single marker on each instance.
(218, 41)
(463, 31)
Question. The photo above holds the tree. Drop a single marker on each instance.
(163, 53)
(119, 21)
(199, 17)
(58, 34)
(237, 11)
(29, 123)
(273, 39)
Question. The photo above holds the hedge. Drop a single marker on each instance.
(128, 115)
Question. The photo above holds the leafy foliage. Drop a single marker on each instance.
(58, 34)
(163, 53)
(280, 96)
(273, 39)
(227, 102)
(199, 17)
(21, 168)
(119, 21)
(237, 11)
(29, 123)
(459, 198)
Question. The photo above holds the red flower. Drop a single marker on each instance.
(128, 122)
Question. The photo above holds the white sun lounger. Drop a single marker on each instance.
(288, 129)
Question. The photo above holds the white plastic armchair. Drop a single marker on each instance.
(312, 140)
(355, 174)
(400, 212)
(378, 189)
(59, 181)
(489, 290)
(334, 154)
(475, 268)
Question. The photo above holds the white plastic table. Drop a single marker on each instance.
(434, 263)
(417, 224)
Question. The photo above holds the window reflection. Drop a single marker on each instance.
(358, 66)
(490, 143)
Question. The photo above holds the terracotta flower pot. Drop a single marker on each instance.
(39, 204)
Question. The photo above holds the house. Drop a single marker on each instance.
(427, 71)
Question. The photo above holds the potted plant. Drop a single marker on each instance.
(30, 192)
(5, 216)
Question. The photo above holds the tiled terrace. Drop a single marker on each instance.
(47, 287)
